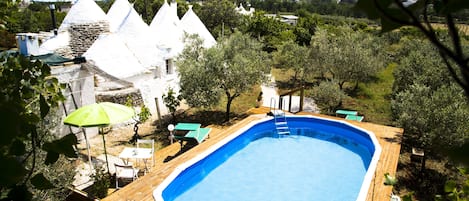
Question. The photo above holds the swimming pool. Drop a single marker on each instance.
(321, 158)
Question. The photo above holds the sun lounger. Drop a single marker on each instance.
(346, 112)
(187, 126)
(194, 132)
(354, 117)
(199, 135)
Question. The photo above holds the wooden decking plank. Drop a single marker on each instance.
(142, 189)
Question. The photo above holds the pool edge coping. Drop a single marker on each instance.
(363, 193)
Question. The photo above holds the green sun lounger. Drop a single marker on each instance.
(199, 135)
(187, 126)
(346, 112)
(354, 117)
(194, 134)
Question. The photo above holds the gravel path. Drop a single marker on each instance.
(270, 96)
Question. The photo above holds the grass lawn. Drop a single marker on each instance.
(373, 99)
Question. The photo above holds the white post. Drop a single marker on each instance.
(171, 129)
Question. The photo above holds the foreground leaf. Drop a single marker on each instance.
(41, 182)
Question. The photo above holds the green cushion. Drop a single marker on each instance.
(346, 112)
(187, 126)
(354, 117)
(198, 135)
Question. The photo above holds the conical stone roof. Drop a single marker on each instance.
(167, 30)
(110, 54)
(119, 10)
(136, 35)
(84, 12)
(192, 24)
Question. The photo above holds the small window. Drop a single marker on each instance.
(169, 66)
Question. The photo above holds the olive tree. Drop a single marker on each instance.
(328, 96)
(419, 63)
(219, 17)
(290, 55)
(434, 119)
(394, 14)
(347, 55)
(230, 68)
(427, 102)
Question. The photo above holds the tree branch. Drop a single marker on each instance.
(425, 18)
(430, 33)
(456, 55)
(453, 32)
(33, 145)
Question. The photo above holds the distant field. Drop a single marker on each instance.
(464, 28)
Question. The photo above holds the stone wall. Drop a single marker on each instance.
(82, 36)
(120, 96)
(79, 91)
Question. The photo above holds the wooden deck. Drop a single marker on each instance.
(168, 158)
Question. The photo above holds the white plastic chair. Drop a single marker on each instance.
(125, 172)
(147, 144)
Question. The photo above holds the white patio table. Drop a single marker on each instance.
(136, 153)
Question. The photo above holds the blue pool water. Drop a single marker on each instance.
(321, 160)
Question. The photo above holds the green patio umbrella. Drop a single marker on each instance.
(99, 115)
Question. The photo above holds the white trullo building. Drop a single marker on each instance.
(127, 56)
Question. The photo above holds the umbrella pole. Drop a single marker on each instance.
(105, 152)
(89, 152)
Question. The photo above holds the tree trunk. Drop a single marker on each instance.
(295, 78)
(228, 107)
(341, 85)
(173, 115)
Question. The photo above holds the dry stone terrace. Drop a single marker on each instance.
(169, 157)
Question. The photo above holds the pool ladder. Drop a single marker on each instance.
(281, 124)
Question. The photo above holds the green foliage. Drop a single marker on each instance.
(407, 197)
(389, 180)
(396, 14)
(148, 8)
(426, 101)
(61, 173)
(28, 94)
(172, 102)
(7, 40)
(306, 27)
(219, 16)
(144, 114)
(328, 96)
(269, 29)
(13, 19)
(197, 88)
(290, 55)
(347, 55)
(373, 98)
(232, 67)
(7, 7)
(455, 191)
(434, 119)
(106, 5)
(314, 6)
(419, 63)
(101, 183)
(35, 18)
